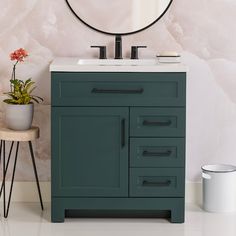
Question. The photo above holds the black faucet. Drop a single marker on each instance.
(118, 47)
(102, 51)
(134, 51)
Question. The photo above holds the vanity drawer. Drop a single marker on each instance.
(157, 182)
(118, 89)
(157, 122)
(157, 152)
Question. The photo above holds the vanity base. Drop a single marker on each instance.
(172, 208)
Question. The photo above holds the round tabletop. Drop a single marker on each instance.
(15, 135)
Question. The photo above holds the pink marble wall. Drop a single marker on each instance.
(202, 31)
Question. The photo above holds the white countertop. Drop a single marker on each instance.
(70, 64)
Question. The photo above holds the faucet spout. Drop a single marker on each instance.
(118, 47)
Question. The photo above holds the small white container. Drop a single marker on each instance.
(219, 188)
(169, 59)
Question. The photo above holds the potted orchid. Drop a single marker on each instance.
(20, 102)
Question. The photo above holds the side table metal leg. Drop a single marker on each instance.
(35, 172)
(0, 151)
(1, 148)
(12, 181)
(8, 160)
(3, 181)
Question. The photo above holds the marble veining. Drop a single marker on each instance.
(202, 31)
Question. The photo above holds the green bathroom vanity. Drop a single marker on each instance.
(118, 140)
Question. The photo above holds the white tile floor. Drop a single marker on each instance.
(27, 220)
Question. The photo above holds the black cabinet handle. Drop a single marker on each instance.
(156, 154)
(157, 123)
(118, 91)
(156, 184)
(122, 133)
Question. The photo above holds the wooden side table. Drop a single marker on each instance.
(16, 136)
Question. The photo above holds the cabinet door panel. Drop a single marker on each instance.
(90, 151)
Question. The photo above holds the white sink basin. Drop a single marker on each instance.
(114, 62)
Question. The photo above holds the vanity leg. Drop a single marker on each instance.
(178, 214)
(57, 212)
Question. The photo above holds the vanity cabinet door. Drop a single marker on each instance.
(90, 152)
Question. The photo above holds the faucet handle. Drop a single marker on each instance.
(134, 51)
(118, 47)
(102, 52)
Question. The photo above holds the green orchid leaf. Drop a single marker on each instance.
(31, 90)
(35, 99)
(38, 97)
(29, 85)
(27, 81)
(21, 92)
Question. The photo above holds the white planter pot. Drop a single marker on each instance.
(19, 117)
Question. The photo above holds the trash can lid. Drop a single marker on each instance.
(219, 168)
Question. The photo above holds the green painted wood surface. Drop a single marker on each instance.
(157, 152)
(88, 157)
(157, 182)
(159, 89)
(160, 122)
(91, 169)
(174, 205)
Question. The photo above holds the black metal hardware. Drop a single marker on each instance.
(118, 91)
(8, 160)
(35, 173)
(12, 181)
(4, 178)
(123, 132)
(102, 51)
(134, 51)
(118, 47)
(156, 184)
(0, 151)
(157, 123)
(116, 33)
(156, 154)
(6, 205)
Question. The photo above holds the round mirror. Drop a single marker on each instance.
(119, 17)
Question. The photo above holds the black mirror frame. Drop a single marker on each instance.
(104, 32)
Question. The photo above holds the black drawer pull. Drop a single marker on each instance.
(157, 123)
(156, 154)
(118, 91)
(156, 184)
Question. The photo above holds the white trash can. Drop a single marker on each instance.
(219, 188)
